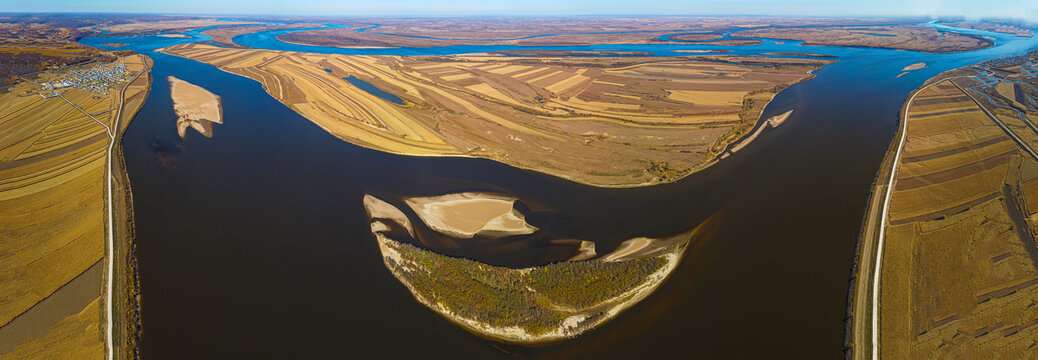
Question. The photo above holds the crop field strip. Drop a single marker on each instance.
(51, 201)
(959, 277)
(51, 197)
(608, 115)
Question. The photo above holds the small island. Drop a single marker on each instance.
(528, 305)
(195, 107)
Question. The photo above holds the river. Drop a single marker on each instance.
(255, 243)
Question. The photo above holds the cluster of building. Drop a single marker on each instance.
(96, 79)
(1011, 60)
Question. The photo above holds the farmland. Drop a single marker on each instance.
(960, 262)
(52, 156)
(550, 31)
(996, 26)
(603, 121)
(905, 37)
(163, 26)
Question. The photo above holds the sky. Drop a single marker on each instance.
(972, 8)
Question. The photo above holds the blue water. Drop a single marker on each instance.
(373, 90)
(254, 243)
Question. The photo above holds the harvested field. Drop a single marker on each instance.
(1014, 29)
(52, 220)
(905, 37)
(551, 31)
(961, 267)
(596, 120)
(167, 26)
(75, 337)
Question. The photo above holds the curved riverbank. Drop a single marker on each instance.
(302, 243)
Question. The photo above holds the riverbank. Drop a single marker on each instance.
(857, 337)
(127, 324)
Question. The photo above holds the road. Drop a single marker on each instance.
(877, 232)
(109, 179)
(1023, 145)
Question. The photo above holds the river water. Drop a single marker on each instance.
(255, 243)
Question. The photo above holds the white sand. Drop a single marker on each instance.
(380, 210)
(470, 214)
(195, 107)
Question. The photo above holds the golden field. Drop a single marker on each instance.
(554, 31)
(960, 268)
(52, 171)
(149, 27)
(904, 37)
(594, 120)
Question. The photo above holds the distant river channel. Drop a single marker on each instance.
(255, 244)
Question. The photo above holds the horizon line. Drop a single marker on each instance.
(509, 15)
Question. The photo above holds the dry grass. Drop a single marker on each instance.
(549, 31)
(148, 27)
(958, 283)
(75, 337)
(905, 37)
(995, 27)
(535, 113)
(51, 194)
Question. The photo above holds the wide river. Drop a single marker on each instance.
(255, 243)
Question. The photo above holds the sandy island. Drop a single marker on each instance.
(528, 305)
(195, 107)
(906, 69)
(916, 66)
(471, 214)
(772, 122)
(174, 35)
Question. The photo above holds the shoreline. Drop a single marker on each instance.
(128, 326)
(278, 38)
(866, 249)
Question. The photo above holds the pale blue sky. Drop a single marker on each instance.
(972, 8)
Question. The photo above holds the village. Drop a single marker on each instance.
(97, 79)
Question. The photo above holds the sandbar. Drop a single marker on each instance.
(471, 214)
(195, 107)
(916, 66)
